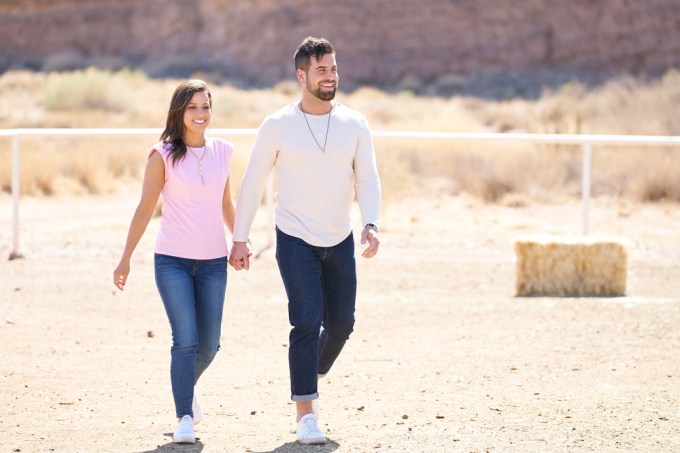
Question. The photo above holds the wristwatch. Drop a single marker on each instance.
(371, 225)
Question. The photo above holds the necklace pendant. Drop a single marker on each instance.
(200, 163)
(328, 126)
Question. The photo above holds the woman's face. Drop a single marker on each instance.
(197, 114)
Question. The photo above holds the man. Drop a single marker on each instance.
(323, 155)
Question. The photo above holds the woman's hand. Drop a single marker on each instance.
(120, 275)
(240, 255)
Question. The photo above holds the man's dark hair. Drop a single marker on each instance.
(311, 46)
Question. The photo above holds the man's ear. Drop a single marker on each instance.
(301, 76)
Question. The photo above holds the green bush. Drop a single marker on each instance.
(92, 89)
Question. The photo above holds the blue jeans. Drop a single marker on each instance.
(321, 285)
(193, 295)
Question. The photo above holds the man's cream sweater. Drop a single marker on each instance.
(315, 188)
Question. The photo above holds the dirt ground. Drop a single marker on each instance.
(444, 358)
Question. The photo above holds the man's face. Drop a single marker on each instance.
(321, 79)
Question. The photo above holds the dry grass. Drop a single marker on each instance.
(91, 90)
(491, 171)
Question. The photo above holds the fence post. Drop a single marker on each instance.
(585, 184)
(14, 254)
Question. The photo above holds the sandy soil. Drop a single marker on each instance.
(444, 358)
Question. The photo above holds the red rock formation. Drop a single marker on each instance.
(378, 41)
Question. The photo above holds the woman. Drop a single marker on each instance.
(191, 171)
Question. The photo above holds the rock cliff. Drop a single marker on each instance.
(379, 42)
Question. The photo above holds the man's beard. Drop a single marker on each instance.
(319, 93)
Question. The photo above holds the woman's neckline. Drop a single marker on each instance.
(199, 147)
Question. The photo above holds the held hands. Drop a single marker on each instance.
(370, 235)
(239, 258)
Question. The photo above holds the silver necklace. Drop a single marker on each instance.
(200, 162)
(328, 126)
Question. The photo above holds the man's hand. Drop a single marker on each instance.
(239, 258)
(370, 235)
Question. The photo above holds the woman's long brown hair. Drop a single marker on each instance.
(174, 125)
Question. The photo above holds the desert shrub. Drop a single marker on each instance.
(91, 89)
(396, 177)
(57, 165)
(493, 171)
(647, 175)
(6, 167)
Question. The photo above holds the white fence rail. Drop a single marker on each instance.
(586, 142)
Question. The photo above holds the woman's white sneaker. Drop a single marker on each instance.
(315, 410)
(184, 434)
(307, 431)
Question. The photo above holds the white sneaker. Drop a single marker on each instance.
(184, 434)
(307, 431)
(196, 409)
(315, 411)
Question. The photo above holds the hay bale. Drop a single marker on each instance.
(571, 266)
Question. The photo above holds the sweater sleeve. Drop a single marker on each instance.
(366, 179)
(260, 164)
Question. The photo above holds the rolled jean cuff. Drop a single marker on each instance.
(305, 398)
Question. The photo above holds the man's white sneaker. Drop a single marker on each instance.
(196, 409)
(307, 431)
(184, 434)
